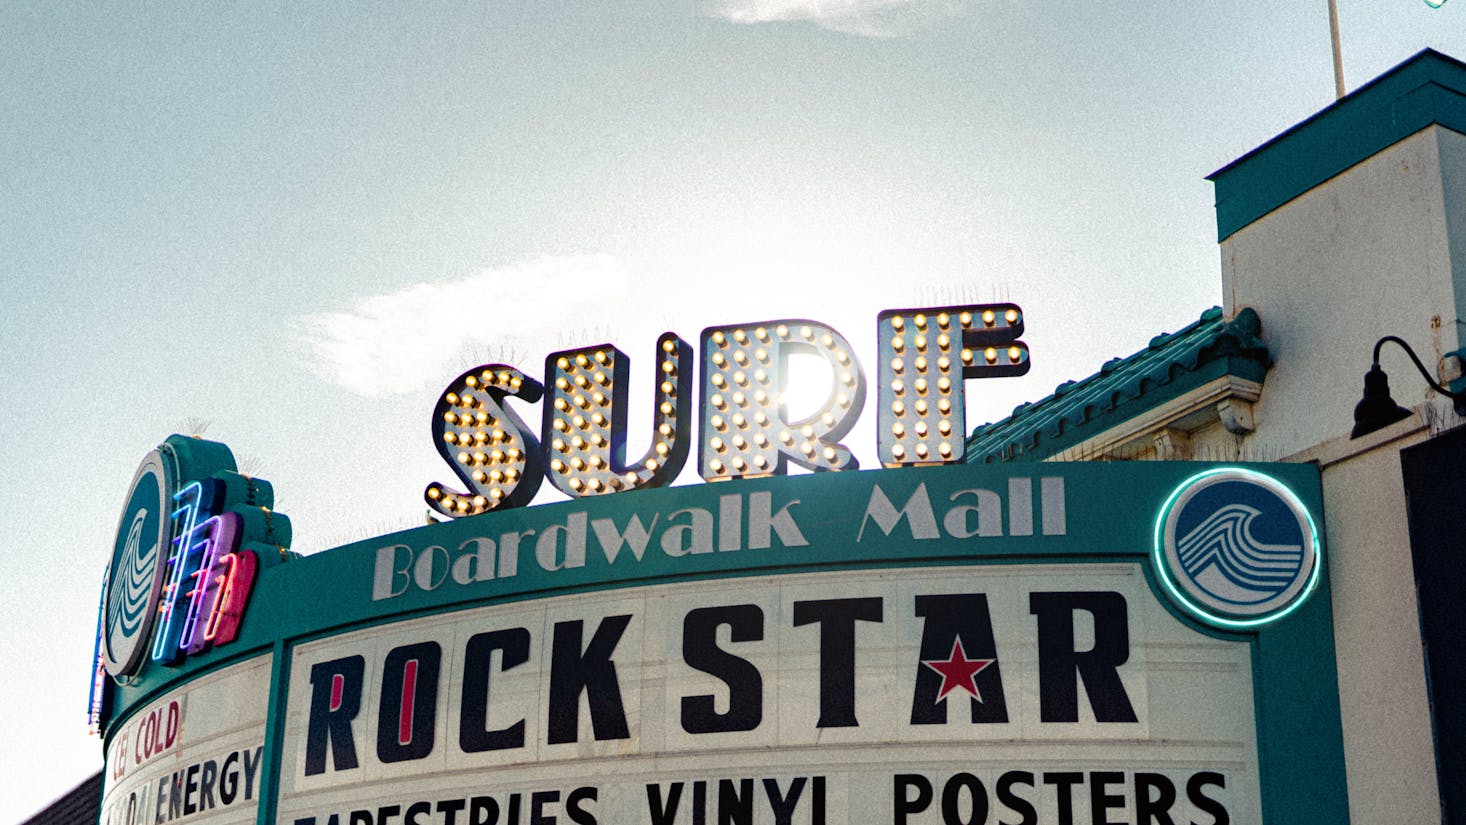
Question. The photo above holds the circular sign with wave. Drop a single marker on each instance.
(1236, 548)
(133, 580)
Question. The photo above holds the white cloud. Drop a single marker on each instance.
(867, 18)
(427, 333)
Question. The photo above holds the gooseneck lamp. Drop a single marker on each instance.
(1377, 410)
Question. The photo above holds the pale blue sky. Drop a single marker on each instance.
(299, 222)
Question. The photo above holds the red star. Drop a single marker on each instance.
(958, 671)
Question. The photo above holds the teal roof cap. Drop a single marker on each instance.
(1429, 88)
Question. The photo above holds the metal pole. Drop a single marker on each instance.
(1338, 50)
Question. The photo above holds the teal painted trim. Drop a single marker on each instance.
(269, 790)
(1429, 88)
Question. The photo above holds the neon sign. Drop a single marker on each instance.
(744, 430)
(185, 558)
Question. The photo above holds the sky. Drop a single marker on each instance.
(288, 226)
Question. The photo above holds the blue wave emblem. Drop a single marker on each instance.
(1222, 556)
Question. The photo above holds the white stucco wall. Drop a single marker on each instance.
(1366, 254)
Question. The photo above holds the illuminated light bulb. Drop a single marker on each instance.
(1011, 316)
(600, 377)
(575, 484)
(945, 449)
(828, 419)
(920, 320)
(594, 484)
(563, 363)
(504, 376)
(898, 386)
(842, 357)
(450, 417)
(898, 343)
(944, 320)
(921, 363)
(786, 438)
(921, 429)
(847, 378)
(581, 360)
(719, 359)
(944, 406)
(921, 451)
(760, 397)
(920, 343)
(463, 458)
(578, 443)
(496, 476)
(739, 463)
(666, 408)
(761, 440)
(806, 333)
(451, 398)
(760, 462)
(715, 465)
(665, 429)
(631, 477)
(719, 338)
(717, 445)
(897, 451)
(559, 445)
(557, 465)
(990, 355)
(828, 340)
(667, 346)
(480, 458)
(717, 401)
(480, 501)
(497, 456)
(830, 454)
(842, 400)
(739, 443)
(897, 323)
(471, 380)
(760, 376)
(807, 431)
(1014, 353)
(740, 378)
(435, 493)
(944, 427)
(760, 419)
(740, 336)
(662, 448)
(562, 405)
(739, 421)
(761, 334)
(600, 357)
(669, 368)
(600, 398)
(921, 406)
(741, 357)
(598, 420)
(782, 331)
(595, 462)
(807, 448)
(668, 388)
(450, 437)
(579, 421)
(598, 440)
(478, 475)
(652, 464)
(921, 386)
(718, 423)
(989, 317)
(496, 493)
(898, 429)
(561, 383)
(944, 342)
(944, 363)
(944, 384)
(581, 381)
(480, 437)
(719, 381)
(898, 407)
(762, 355)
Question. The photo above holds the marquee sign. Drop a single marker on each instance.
(1034, 644)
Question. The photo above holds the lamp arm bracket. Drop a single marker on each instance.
(1424, 373)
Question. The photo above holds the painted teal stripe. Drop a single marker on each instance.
(1427, 89)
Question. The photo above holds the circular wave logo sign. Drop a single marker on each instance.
(133, 581)
(1236, 548)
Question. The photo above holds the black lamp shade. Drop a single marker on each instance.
(1376, 409)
